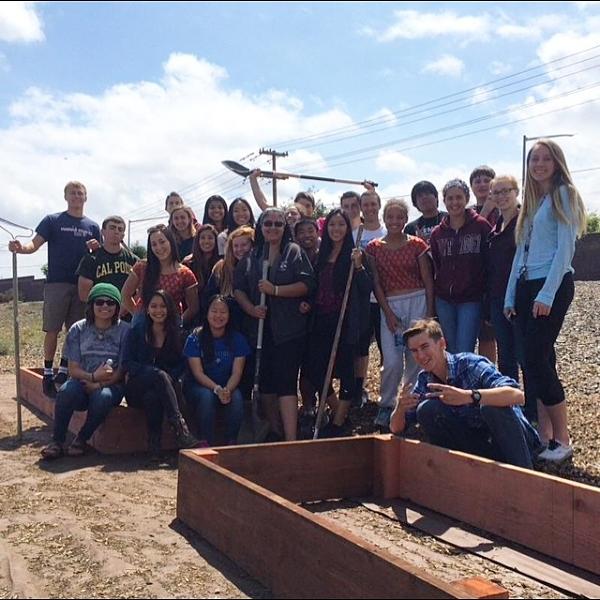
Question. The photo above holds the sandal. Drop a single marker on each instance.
(52, 451)
(77, 448)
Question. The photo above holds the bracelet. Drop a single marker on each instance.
(216, 390)
(277, 290)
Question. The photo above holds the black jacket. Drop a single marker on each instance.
(284, 318)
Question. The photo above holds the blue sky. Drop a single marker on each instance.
(137, 99)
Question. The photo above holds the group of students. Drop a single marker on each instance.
(497, 269)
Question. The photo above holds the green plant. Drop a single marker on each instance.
(139, 250)
(593, 223)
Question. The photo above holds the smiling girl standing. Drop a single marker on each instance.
(540, 288)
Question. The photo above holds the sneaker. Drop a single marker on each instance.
(383, 417)
(556, 452)
(60, 378)
(48, 387)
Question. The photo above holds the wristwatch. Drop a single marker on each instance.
(476, 397)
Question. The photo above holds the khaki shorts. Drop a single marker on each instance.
(62, 306)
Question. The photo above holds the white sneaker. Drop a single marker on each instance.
(556, 452)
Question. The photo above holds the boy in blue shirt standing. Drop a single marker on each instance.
(66, 233)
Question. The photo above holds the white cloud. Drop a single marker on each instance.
(4, 64)
(446, 65)
(384, 116)
(412, 24)
(481, 95)
(19, 22)
(395, 162)
(134, 142)
(571, 115)
(499, 68)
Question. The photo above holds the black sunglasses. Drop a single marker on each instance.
(278, 224)
(103, 301)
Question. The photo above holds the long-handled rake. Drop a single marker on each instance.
(336, 341)
(240, 169)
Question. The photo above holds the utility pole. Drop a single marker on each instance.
(274, 154)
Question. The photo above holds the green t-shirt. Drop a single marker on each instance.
(104, 267)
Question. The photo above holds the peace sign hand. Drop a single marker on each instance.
(450, 395)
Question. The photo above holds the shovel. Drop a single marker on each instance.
(239, 169)
(260, 427)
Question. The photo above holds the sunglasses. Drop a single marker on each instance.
(104, 301)
(278, 224)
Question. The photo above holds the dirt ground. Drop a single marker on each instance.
(104, 526)
(426, 552)
(98, 527)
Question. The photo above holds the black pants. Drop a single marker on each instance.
(155, 392)
(539, 336)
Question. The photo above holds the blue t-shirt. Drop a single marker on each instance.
(219, 370)
(66, 237)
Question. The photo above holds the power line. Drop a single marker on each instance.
(291, 142)
(470, 104)
(486, 117)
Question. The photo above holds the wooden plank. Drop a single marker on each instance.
(532, 509)
(549, 571)
(586, 529)
(481, 588)
(292, 552)
(123, 431)
(307, 470)
(387, 469)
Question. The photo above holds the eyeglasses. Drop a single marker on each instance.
(104, 301)
(504, 192)
(278, 224)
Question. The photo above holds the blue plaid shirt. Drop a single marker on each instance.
(466, 371)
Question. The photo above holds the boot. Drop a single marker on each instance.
(184, 438)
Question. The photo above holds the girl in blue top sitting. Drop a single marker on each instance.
(216, 356)
(540, 287)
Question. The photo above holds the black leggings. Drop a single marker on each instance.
(539, 336)
(155, 392)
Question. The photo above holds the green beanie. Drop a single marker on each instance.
(105, 290)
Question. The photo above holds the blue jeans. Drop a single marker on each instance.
(205, 403)
(510, 347)
(72, 396)
(502, 434)
(460, 324)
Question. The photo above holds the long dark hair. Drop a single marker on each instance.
(205, 336)
(259, 238)
(201, 263)
(341, 267)
(172, 338)
(231, 224)
(206, 220)
(152, 275)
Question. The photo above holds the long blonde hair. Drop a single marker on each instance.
(561, 178)
(224, 269)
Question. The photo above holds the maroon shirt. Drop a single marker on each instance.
(458, 257)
